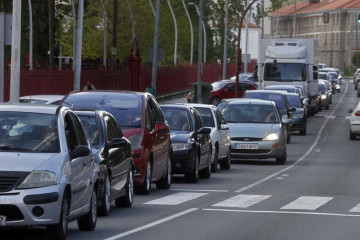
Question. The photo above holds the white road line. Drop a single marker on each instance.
(317, 150)
(282, 212)
(194, 190)
(347, 117)
(279, 178)
(153, 224)
(242, 201)
(285, 175)
(176, 198)
(307, 203)
(300, 159)
(355, 209)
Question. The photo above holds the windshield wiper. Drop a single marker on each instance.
(12, 148)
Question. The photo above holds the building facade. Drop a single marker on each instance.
(332, 22)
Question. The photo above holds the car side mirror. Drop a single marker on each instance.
(349, 110)
(79, 151)
(224, 127)
(117, 143)
(292, 109)
(160, 126)
(204, 130)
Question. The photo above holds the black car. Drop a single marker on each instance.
(191, 142)
(299, 117)
(280, 99)
(113, 153)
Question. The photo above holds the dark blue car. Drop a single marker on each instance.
(191, 142)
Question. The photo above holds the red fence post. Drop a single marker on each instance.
(138, 72)
(131, 68)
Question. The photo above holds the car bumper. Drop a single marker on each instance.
(183, 161)
(266, 149)
(18, 206)
(355, 128)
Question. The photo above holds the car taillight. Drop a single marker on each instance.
(357, 113)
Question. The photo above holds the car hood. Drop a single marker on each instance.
(255, 130)
(22, 162)
(179, 136)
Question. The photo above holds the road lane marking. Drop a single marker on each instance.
(194, 190)
(242, 201)
(307, 203)
(317, 150)
(281, 212)
(303, 157)
(355, 209)
(279, 178)
(150, 225)
(176, 198)
(285, 175)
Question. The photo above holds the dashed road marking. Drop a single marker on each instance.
(307, 203)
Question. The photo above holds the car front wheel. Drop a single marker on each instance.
(106, 199)
(59, 230)
(88, 222)
(165, 183)
(127, 200)
(145, 188)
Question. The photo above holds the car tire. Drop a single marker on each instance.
(165, 183)
(281, 160)
(215, 100)
(59, 230)
(145, 188)
(303, 131)
(355, 87)
(358, 95)
(194, 175)
(88, 222)
(288, 136)
(106, 199)
(352, 135)
(127, 200)
(216, 160)
(226, 163)
(327, 107)
(312, 111)
(206, 173)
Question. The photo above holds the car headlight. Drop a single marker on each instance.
(298, 115)
(271, 137)
(180, 146)
(38, 179)
(323, 97)
(135, 141)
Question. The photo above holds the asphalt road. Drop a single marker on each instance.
(315, 195)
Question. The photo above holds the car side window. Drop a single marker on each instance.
(244, 86)
(80, 135)
(118, 132)
(218, 118)
(198, 121)
(156, 111)
(70, 134)
(110, 129)
(230, 87)
(149, 119)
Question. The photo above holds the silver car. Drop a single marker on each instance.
(256, 129)
(219, 135)
(47, 174)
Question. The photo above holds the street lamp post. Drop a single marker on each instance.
(226, 39)
(238, 50)
(191, 34)
(203, 27)
(105, 33)
(176, 32)
(31, 37)
(74, 32)
(132, 20)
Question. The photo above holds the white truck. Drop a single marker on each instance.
(289, 62)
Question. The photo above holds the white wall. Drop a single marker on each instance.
(253, 42)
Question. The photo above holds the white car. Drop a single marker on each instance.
(42, 99)
(354, 122)
(220, 136)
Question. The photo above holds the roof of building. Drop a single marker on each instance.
(322, 6)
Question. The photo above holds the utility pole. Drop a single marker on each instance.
(176, 32)
(51, 33)
(15, 52)
(357, 46)
(191, 34)
(115, 21)
(225, 39)
(200, 65)
(74, 32)
(30, 37)
(246, 40)
(105, 33)
(79, 45)
(155, 51)
(262, 20)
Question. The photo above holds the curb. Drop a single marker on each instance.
(172, 95)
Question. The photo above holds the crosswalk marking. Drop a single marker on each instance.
(307, 203)
(176, 199)
(242, 201)
(355, 209)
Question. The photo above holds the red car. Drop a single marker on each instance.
(226, 89)
(142, 122)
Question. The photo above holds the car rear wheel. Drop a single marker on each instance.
(355, 86)
(145, 188)
(59, 230)
(106, 199)
(216, 159)
(281, 160)
(194, 175)
(127, 200)
(352, 135)
(226, 164)
(88, 222)
(165, 183)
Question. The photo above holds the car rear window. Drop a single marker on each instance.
(294, 101)
(250, 113)
(206, 116)
(91, 129)
(277, 98)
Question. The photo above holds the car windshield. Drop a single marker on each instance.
(277, 98)
(178, 119)
(322, 88)
(294, 101)
(28, 132)
(206, 116)
(334, 75)
(289, 90)
(126, 108)
(285, 72)
(35, 101)
(250, 113)
(323, 76)
(91, 129)
(218, 85)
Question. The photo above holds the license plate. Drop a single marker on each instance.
(2, 220)
(250, 146)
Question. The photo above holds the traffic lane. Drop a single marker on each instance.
(215, 225)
